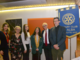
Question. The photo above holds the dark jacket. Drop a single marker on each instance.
(3, 42)
(49, 46)
(34, 45)
(61, 37)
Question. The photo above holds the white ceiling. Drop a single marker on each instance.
(32, 2)
(58, 1)
(24, 2)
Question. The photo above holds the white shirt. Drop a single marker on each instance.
(47, 36)
(27, 41)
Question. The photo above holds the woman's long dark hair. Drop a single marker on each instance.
(38, 33)
(25, 33)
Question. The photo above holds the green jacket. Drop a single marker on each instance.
(34, 45)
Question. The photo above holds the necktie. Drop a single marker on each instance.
(46, 39)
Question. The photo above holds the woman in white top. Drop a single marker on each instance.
(26, 42)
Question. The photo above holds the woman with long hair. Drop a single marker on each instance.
(16, 46)
(26, 42)
(36, 43)
(6, 31)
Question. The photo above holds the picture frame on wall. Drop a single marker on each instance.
(12, 23)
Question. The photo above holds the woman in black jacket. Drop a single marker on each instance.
(3, 46)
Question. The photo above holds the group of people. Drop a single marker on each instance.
(51, 40)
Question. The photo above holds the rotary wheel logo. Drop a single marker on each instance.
(68, 19)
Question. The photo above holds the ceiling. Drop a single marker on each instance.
(59, 1)
(32, 2)
(23, 2)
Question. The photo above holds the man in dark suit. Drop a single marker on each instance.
(47, 43)
(57, 38)
(3, 46)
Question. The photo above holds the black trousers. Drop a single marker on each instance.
(36, 56)
(6, 56)
(57, 54)
(47, 52)
(26, 55)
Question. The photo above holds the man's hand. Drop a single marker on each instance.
(1, 52)
(56, 46)
(25, 51)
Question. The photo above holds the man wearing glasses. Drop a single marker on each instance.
(57, 38)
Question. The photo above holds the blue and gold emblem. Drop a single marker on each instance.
(68, 19)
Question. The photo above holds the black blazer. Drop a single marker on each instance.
(61, 37)
(48, 36)
(3, 45)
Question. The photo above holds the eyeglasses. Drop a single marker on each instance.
(55, 21)
(44, 25)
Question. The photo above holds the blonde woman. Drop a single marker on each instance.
(6, 30)
(16, 45)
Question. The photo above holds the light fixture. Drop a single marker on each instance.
(41, 6)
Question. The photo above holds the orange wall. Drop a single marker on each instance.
(37, 22)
